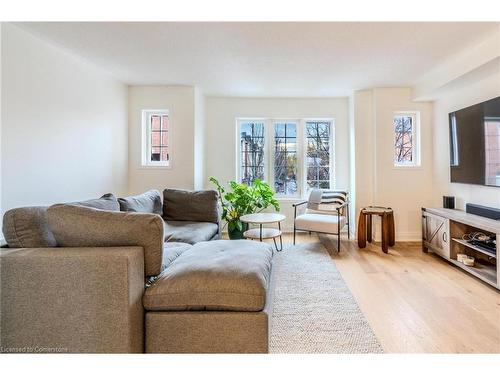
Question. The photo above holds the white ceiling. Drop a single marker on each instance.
(265, 59)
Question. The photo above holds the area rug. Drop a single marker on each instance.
(314, 310)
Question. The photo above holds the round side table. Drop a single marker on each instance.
(365, 226)
(262, 232)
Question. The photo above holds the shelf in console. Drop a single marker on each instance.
(474, 247)
(453, 225)
(486, 273)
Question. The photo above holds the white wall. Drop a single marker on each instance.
(199, 139)
(64, 125)
(464, 93)
(378, 182)
(220, 146)
(1, 212)
(180, 101)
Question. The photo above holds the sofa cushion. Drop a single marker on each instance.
(75, 226)
(171, 251)
(27, 227)
(149, 202)
(189, 231)
(214, 275)
(319, 223)
(187, 205)
(107, 202)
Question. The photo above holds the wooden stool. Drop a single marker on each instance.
(365, 226)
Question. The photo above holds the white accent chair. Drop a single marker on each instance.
(327, 211)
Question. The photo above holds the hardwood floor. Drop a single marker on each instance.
(416, 302)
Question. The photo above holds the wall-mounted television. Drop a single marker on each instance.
(475, 144)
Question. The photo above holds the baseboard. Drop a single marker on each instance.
(400, 237)
(403, 236)
(409, 237)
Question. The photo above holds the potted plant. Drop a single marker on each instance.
(243, 200)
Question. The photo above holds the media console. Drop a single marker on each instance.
(443, 232)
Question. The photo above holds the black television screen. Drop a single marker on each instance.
(475, 144)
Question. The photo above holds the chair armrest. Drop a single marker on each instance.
(338, 208)
(72, 299)
(295, 205)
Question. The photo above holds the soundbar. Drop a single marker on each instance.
(489, 212)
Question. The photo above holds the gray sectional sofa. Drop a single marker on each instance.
(132, 275)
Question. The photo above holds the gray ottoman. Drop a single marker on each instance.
(215, 297)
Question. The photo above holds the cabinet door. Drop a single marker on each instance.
(435, 234)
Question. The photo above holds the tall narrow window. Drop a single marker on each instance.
(405, 140)
(454, 144)
(285, 158)
(491, 149)
(156, 138)
(251, 151)
(318, 156)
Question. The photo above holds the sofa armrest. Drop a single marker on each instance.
(75, 226)
(72, 299)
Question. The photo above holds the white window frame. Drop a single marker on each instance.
(270, 134)
(332, 166)
(269, 149)
(240, 121)
(146, 161)
(416, 149)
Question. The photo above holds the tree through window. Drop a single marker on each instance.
(404, 140)
(285, 158)
(252, 151)
(292, 155)
(318, 154)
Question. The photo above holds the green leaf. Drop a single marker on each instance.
(244, 199)
(239, 225)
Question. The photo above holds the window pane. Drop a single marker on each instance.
(164, 155)
(155, 139)
(403, 140)
(155, 122)
(312, 174)
(164, 139)
(492, 147)
(279, 130)
(318, 140)
(291, 144)
(155, 154)
(324, 185)
(252, 151)
(324, 173)
(164, 124)
(313, 184)
(285, 158)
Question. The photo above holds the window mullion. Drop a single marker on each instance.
(270, 153)
(150, 146)
(331, 157)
